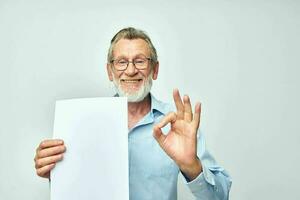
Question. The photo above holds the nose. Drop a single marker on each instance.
(131, 70)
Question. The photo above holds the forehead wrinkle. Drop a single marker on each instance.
(131, 48)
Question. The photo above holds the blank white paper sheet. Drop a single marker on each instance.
(95, 164)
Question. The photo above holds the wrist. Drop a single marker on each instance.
(192, 170)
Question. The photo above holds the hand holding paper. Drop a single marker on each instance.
(96, 163)
(48, 153)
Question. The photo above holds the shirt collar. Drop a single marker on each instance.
(157, 105)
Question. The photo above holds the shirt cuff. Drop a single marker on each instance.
(200, 182)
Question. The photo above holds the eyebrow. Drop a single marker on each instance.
(136, 56)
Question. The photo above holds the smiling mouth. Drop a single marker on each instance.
(131, 80)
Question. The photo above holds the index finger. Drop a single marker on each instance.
(50, 143)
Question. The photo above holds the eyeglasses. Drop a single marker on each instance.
(139, 63)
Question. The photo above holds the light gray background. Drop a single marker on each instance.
(239, 58)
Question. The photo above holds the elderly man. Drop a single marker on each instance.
(157, 152)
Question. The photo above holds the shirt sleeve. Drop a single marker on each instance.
(213, 183)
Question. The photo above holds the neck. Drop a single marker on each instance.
(140, 107)
(137, 110)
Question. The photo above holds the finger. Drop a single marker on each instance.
(48, 160)
(188, 113)
(51, 151)
(197, 115)
(178, 103)
(169, 118)
(45, 171)
(50, 143)
(158, 135)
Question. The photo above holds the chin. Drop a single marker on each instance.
(134, 95)
(131, 90)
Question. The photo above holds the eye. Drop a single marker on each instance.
(139, 61)
(122, 62)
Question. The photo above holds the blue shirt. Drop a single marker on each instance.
(153, 174)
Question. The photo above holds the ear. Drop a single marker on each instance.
(109, 72)
(155, 71)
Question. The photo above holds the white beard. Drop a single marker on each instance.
(138, 95)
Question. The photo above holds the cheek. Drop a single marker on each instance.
(147, 74)
(116, 75)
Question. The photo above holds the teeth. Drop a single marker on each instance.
(130, 81)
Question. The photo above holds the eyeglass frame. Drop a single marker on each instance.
(147, 58)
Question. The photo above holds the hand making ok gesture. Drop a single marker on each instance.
(180, 143)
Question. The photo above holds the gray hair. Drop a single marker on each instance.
(131, 33)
